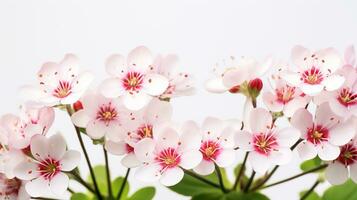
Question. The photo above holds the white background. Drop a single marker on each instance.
(200, 32)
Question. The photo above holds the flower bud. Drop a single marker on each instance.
(77, 106)
(235, 89)
(254, 87)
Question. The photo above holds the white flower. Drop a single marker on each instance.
(58, 83)
(315, 70)
(266, 145)
(180, 83)
(321, 135)
(132, 79)
(12, 189)
(157, 112)
(165, 154)
(45, 172)
(217, 143)
(18, 130)
(102, 116)
(9, 159)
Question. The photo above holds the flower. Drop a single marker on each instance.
(132, 79)
(20, 129)
(58, 83)
(9, 159)
(12, 189)
(322, 135)
(266, 145)
(156, 113)
(216, 144)
(315, 70)
(238, 73)
(284, 98)
(102, 116)
(45, 172)
(180, 83)
(165, 155)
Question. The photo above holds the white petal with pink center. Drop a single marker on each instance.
(45, 171)
(58, 83)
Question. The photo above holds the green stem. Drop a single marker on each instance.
(121, 190)
(71, 191)
(240, 173)
(310, 190)
(200, 178)
(250, 181)
(70, 112)
(296, 176)
(220, 178)
(109, 182)
(79, 179)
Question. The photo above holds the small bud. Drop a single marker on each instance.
(77, 106)
(254, 87)
(235, 89)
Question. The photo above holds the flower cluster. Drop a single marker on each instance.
(308, 106)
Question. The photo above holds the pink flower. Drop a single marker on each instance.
(180, 83)
(45, 172)
(153, 115)
(9, 159)
(12, 189)
(165, 154)
(132, 79)
(32, 121)
(103, 117)
(266, 145)
(58, 83)
(315, 70)
(322, 135)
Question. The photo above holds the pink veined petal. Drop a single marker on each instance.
(260, 163)
(306, 150)
(328, 152)
(353, 172)
(212, 127)
(287, 136)
(234, 77)
(59, 183)
(226, 158)
(172, 176)
(140, 59)
(292, 78)
(168, 138)
(342, 133)
(190, 159)
(80, 118)
(37, 187)
(116, 65)
(215, 85)
(243, 140)
(333, 82)
(350, 55)
(116, 148)
(155, 84)
(302, 120)
(130, 161)
(136, 101)
(282, 156)
(336, 173)
(26, 170)
(144, 149)
(204, 168)
(271, 103)
(148, 173)
(158, 111)
(96, 129)
(311, 90)
(260, 120)
(57, 146)
(39, 147)
(70, 160)
(298, 55)
(324, 116)
(111, 88)
(291, 107)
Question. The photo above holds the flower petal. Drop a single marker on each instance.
(328, 152)
(342, 133)
(306, 150)
(130, 161)
(144, 149)
(80, 118)
(190, 159)
(136, 101)
(260, 120)
(148, 173)
(226, 158)
(37, 187)
(302, 120)
(260, 163)
(116, 148)
(288, 136)
(336, 173)
(57, 146)
(292, 106)
(140, 59)
(271, 103)
(96, 129)
(39, 147)
(155, 84)
(26, 170)
(70, 160)
(111, 88)
(333, 82)
(215, 85)
(172, 176)
(59, 183)
(212, 127)
(299, 55)
(234, 77)
(353, 172)
(244, 140)
(204, 168)
(311, 90)
(116, 65)
(281, 157)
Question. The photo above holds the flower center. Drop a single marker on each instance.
(63, 89)
(285, 94)
(168, 158)
(347, 97)
(348, 155)
(107, 113)
(210, 150)
(264, 143)
(48, 168)
(145, 131)
(133, 81)
(312, 76)
(317, 134)
(9, 186)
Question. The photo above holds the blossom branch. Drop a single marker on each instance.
(240, 173)
(220, 178)
(306, 195)
(109, 183)
(250, 181)
(79, 179)
(200, 178)
(121, 190)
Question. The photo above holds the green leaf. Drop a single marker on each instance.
(213, 177)
(116, 185)
(208, 196)
(347, 191)
(147, 193)
(79, 196)
(190, 186)
(100, 175)
(312, 196)
(229, 196)
(310, 164)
